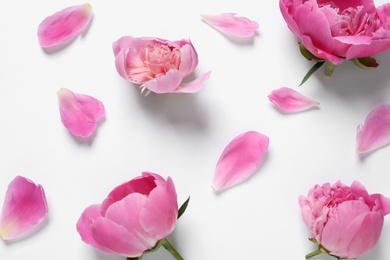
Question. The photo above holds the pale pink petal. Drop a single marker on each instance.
(195, 85)
(230, 24)
(64, 25)
(24, 208)
(240, 159)
(289, 100)
(375, 132)
(80, 113)
(164, 84)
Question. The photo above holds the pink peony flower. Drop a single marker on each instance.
(230, 24)
(133, 218)
(24, 208)
(240, 159)
(64, 25)
(346, 222)
(337, 30)
(80, 113)
(158, 65)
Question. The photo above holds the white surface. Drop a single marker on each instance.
(182, 136)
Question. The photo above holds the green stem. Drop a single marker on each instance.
(134, 258)
(314, 253)
(168, 246)
(329, 69)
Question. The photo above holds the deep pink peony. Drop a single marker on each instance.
(158, 65)
(345, 221)
(339, 29)
(133, 218)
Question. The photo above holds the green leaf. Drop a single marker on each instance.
(311, 71)
(366, 62)
(183, 208)
(308, 55)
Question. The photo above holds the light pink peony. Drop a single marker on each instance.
(133, 217)
(158, 65)
(345, 221)
(339, 29)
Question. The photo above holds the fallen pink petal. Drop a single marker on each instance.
(290, 101)
(64, 25)
(24, 208)
(240, 159)
(375, 132)
(80, 113)
(230, 24)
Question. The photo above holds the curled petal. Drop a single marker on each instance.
(24, 208)
(240, 159)
(80, 113)
(230, 24)
(289, 100)
(375, 132)
(195, 85)
(64, 25)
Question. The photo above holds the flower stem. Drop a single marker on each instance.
(168, 246)
(329, 69)
(314, 253)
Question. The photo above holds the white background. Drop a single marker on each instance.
(182, 135)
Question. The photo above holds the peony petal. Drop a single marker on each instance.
(159, 215)
(239, 160)
(84, 223)
(230, 24)
(375, 132)
(164, 84)
(195, 85)
(79, 113)
(289, 100)
(64, 25)
(24, 208)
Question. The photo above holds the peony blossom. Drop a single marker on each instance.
(375, 132)
(289, 100)
(230, 24)
(337, 30)
(346, 222)
(159, 65)
(64, 25)
(240, 159)
(80, 113)
(24, 208)
(134, 217)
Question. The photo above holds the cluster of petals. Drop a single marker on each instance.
(159, 65)
(375, 132)
(133, 218)
(240, 159)
(345, 220)
(230, 24)
(339, 29)
(65, 25)
(24, 208)
(289, 100)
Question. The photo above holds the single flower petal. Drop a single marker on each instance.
(375, 132)
(23, 209)
(64, 25)
(240, 159)
(289, 100)
(79, 113)
(230, 24)
(195, 85)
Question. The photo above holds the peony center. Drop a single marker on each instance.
(159, 59)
